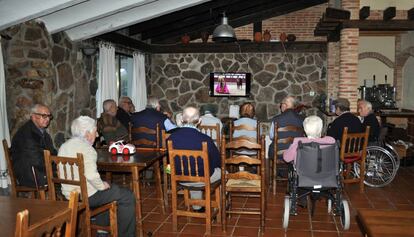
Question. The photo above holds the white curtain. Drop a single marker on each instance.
(107, 83)
(4, 126)
(138, 84)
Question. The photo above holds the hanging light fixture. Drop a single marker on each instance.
(224, 32)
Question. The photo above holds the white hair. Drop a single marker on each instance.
(313, 126)
(81, 125)
(35, 108)
(191, 115)
(153, 102)
(290, 102)
(179, 119)
(367, 104)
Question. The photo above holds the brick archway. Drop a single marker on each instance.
(378, 56)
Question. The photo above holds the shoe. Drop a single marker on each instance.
(201, 210)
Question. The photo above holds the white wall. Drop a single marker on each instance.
(407, 44)
(382, 4)
(368, 67)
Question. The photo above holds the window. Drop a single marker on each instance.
(124, 67)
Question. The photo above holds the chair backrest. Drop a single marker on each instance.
(230, 158)
(245, 127)
(52, 226)
(354, 145)
(286, 140)
(146, 133)
(317, 164)
(69, 171)
(164, 137)
(10, 170)
(186, 165)
(212, 131)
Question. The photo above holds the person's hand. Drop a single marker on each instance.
(106, 185)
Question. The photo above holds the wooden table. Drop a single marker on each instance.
(387, 223)
(38, 210)
(134, 164)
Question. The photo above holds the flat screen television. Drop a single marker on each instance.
(230, 84)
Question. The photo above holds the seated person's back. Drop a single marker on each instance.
(344, 119)
(209, 119)
(369, 119)
(247, 113)
(288, 117)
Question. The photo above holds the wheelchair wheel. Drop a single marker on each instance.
(394, 153)
(380, 167)
(345, 214)
(286, 212)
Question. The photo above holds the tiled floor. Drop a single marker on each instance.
(399, 195)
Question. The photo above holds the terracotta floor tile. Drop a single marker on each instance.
(273, 232)
(199, 230)
(298, 233)
(325, 234)
(246, 231)
(326, 226)
(299, 225)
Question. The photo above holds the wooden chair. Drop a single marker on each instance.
(241, 181)
(212, 131)
(179, 158)
(70, 171)
(166, 178)
(276, 152)
(245, 127)
(15, 189)
(144, 142)
(53, 225)
(354, 149)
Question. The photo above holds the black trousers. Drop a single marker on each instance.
(126, 208)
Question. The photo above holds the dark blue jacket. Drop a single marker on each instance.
(336, 128)
(374, 130)
(287, 118)
(123, 117)
(191, 139)
(27, 151)
(147, 118)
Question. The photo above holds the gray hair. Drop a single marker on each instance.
(107, 104)
(179, 119)
(191, 115)
(153, 102)
(35, 108)
(313, 126)
(290, 102)
(367, 104)
(81, 125)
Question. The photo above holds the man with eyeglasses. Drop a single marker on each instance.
(27, 148)
(125, 109)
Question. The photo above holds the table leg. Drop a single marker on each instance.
(138, 206)
(158, 185)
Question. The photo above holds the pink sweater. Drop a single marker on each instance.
(290, 154)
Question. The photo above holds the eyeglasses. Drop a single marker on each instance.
(45, 116)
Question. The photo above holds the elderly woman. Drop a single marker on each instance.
(313, 128)
(84, 133)
(247, 113)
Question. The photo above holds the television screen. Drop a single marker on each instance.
(230, 84)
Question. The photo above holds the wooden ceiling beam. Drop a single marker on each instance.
(389, 13)
(379, 25)
(364, 12)
(410, 14)
(117, 38)
(336, 13)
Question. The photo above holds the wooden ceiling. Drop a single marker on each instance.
(206, 16)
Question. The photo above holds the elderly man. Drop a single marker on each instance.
(368, 118)
(344, 119)
(150, 117)
(125, 109)
(190, 138)
(209, 118)
(84, 133)
(288, 117)
(28, 145)
(108, 125)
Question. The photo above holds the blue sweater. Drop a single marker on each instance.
(191, 139)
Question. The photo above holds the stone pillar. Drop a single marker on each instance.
(348, 72)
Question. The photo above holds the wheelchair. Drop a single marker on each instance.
(317, 174)
(381, 164)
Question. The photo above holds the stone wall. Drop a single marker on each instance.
(180, 80)
(41, 68)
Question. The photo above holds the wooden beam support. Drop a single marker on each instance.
(379, 25)
(410, 14)
(125, 41)
(389, 13)
(244, 47)
(364, 12)
(336, 13)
